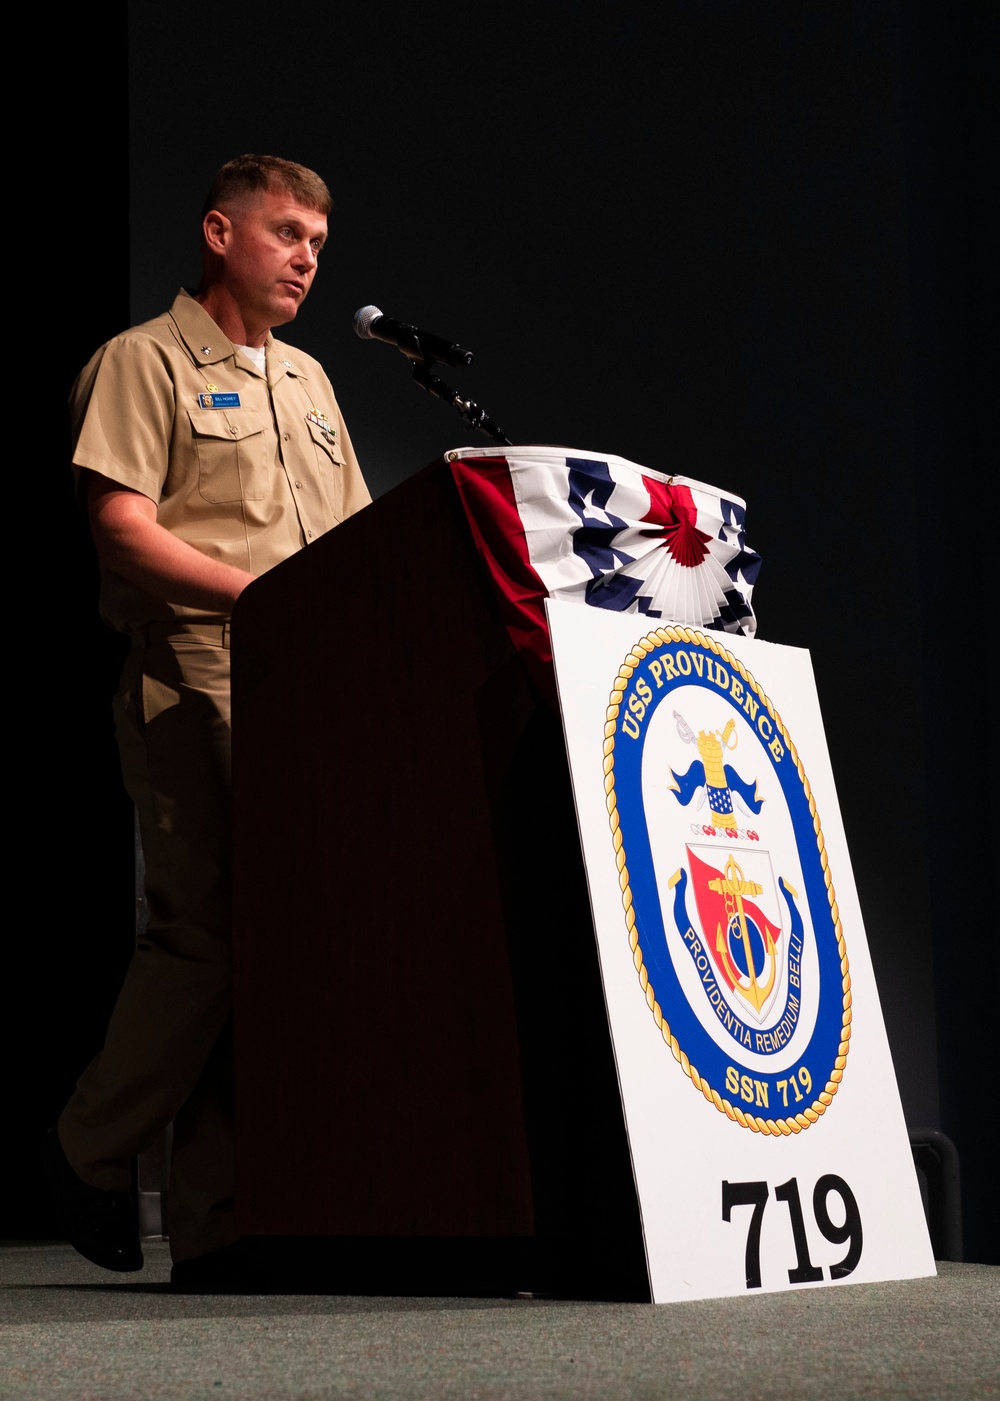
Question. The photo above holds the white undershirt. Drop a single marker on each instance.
(257, 354)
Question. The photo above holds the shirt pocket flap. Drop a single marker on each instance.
(332, 449)
(232, 425)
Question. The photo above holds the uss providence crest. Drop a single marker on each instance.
(728, 897)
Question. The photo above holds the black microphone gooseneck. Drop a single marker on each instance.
(423, 350)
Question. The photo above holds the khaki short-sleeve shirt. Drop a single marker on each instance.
(247, 468)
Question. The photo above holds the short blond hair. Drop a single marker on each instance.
(247, 175)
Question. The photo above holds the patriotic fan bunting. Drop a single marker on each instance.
(607, 533)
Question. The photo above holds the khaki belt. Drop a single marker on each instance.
(215, 634)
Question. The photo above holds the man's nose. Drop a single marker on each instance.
(306, 256)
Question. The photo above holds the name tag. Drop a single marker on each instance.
(219, 401)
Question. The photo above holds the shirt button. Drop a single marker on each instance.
(299, 485)
(286, 436)
(234, 431)
(310, 534)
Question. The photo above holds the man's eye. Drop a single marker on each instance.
(317, 245)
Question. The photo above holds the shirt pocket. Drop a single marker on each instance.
(329, 472)
(231, 449)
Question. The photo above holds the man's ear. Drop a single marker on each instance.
(216, 228)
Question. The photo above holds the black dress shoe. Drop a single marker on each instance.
(100, 1225)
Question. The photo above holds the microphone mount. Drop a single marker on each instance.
(473, 415)
(422, 351)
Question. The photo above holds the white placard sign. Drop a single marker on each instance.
(764, 1122)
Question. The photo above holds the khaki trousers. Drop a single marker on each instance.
(167, 1054)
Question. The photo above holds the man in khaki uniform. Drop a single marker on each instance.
(207, 452)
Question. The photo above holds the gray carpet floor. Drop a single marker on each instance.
(70, 1330)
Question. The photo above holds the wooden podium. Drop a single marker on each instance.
(426, 1092)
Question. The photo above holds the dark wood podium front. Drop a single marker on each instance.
(426, 1099)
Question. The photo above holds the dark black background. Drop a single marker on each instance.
(742, 241)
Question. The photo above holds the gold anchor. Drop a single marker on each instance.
(734, 886)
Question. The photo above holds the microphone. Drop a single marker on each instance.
(371, 325)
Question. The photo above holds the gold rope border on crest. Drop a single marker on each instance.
(806, 1117)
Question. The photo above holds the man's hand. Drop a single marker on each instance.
(130, 543)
